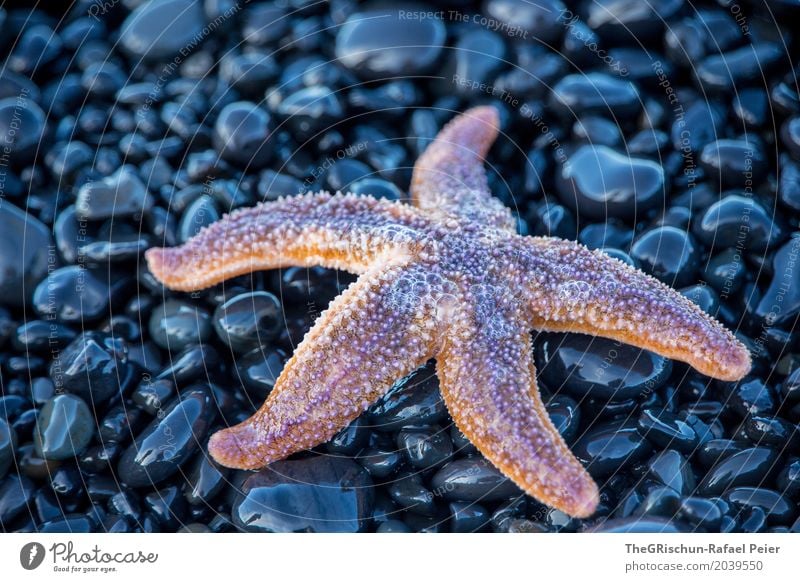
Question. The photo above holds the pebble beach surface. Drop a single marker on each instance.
(666, 135)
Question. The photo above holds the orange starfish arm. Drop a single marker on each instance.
(371, 335)
(573, 289)
(344, 232)
(489, 386)
(449, 176)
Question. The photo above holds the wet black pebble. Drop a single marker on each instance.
(609, 447)
(673, 470)
(425, 448)
(584, 365)
(779, 509)
(64, 428)
(206, 480)
(316, 494)
(241, 134)
(669, 254)
(640, 525)
(665, 429)
(467, 517)
(94, 366)
(8, 444)
(24, 254)
(382, 43)
(169, 441)
(735, 163)
(472, 479)
(72, 295)
(160, 30)
(177, 324)
(700, 512)
(597, 182)
(413, 401)
(595, 93)
(119, 195)
(738, 221)
(248, 320)
(22, 126)
(777, 433)
(747, 467)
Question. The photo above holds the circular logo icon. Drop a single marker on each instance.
(31, 555)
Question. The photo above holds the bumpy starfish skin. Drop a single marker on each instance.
(449, 279)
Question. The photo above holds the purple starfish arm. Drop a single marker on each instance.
(573, 289)
(449, 176)
(488, 382)
(339, 231)
(371, 335)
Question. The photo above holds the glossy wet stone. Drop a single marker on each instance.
(22, 126)
(206, 480)
(751, 397)
(119, 195)
(541, 22)
(160, 30)
(665, 429)
(413, 401)
(700, 512)
(64, 428)
(584, 365)
(738, 68)
(597, 182)
(24, 255)
(669, 254)
(8, 442)
(167, 506)
(472, 479)
(640, 525)
(738, 221)
(777, 433)
(770, 308)
(735, 163)
(751, 466)
(72, 295)
(16, 496)
(596, 93)
(241, 133)
(310, 110)
(177, 324)
(425, 448)
(661, 501)
(94, 366)
(779, 510)
(380, 43)
(565, 414)
(673, 470)
(191, 364)
(200, 213)
(169, 441)
(789, 183)
(609, 447)
(725, 272)
(152, 395)
(467, 517)
(317, 494)
(248, 320)
(40, 336)
(788, 480)
(259, 369)
(702, 123)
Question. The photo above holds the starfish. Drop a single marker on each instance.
(446, 277)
